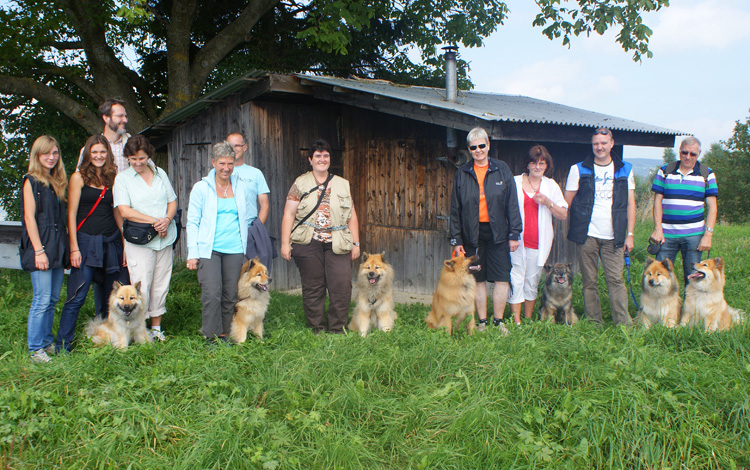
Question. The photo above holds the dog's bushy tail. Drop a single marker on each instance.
(738, 316)
(92, 326)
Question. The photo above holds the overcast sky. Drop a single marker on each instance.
(697, 81)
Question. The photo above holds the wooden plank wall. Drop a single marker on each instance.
(277, 132)
(402, 193)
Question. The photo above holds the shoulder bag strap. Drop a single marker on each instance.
(101, 196)
(320, 199)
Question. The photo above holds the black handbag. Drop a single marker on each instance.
(138, 233)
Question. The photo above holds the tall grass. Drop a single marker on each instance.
(544, 397)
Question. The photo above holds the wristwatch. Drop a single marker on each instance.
(710, 229)
(355, 243)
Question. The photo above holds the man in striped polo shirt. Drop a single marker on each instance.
(681, 189)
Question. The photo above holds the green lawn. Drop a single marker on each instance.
(544, 397)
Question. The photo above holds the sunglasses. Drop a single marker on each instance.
(685, 153)
(474, 147)
(602, 132)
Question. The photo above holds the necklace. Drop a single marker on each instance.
(536, 190)
(224, 189)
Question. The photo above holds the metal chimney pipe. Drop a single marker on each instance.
(451, 75)
(451, 95)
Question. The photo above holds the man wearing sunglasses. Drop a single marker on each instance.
(680, 191)
(601, 195)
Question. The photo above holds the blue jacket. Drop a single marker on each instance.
(583, 203)
(202, 211)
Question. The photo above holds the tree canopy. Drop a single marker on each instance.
(730, 160)
(159, 55)
(60, 58)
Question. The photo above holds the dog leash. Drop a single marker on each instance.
(630, 283)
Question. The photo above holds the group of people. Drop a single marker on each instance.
(78, 224)
(507, 221)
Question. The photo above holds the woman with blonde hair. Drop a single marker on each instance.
(94, 230)
(44, 241)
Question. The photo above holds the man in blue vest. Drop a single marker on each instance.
(601, 194)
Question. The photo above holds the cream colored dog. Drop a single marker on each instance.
(453, 300)
(375, 307)
(126, 321)
(704, 298)
(250, 310)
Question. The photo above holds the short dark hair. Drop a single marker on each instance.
(136, 143)
(241, 134)
(536, 153)
(319, 145)
(105, 109)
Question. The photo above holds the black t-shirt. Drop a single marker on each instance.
(102, 220)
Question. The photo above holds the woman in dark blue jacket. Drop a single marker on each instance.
(485, 220)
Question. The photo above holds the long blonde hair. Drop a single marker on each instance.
(56, 177)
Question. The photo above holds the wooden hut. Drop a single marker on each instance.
(390, 142)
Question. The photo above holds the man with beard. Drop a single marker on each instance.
(115, 118)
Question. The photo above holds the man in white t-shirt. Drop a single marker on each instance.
(250, 175)
(115, 118)
(600, 192)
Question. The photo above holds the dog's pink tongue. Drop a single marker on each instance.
(372, 281)
(694, 275)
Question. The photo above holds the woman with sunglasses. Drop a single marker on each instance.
(485, 221)
(540, 199)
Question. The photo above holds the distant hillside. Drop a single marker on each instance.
(643, 166)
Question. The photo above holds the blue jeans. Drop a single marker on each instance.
(79, 282)
(688, 246)
(46, 286)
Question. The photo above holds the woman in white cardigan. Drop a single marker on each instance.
(539, 199)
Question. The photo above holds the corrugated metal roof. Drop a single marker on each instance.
(174, 119)
(492, 106)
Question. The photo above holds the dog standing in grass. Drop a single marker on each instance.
(253, 295)
(126, 321)
(375, 307)
(453, 300)
(704, 298)
(660, 297)
(557, 297)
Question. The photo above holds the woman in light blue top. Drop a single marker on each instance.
(217, 222)
(143, 193)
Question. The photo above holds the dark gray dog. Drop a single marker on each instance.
(557, 299)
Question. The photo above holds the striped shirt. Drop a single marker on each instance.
(684, 198)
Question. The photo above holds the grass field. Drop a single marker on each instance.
(544, 397)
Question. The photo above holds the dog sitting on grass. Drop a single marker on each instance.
(704, 298)
(453, 300)
(375, 307)
(126, 321)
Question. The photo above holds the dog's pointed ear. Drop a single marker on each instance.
(719, 263)
(253, 262)
(547, 268)
(648, 262)
(449, 265)
(116, 285)
(667, 263)
(382, 256)
(138, 286)
(569, 266)
(365, 255)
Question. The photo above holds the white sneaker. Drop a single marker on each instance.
(482, 327)
(157, 335)
(40, 357)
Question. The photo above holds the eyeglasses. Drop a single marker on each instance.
(474, 147)
(685, 153)
(539, 163)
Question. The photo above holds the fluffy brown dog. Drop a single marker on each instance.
(375, 307)
(453, 299)
(704, 298)
(252, 291)
(126, 321)
(557, 298)
(660, 297)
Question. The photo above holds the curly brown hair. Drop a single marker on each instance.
(93, 175)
